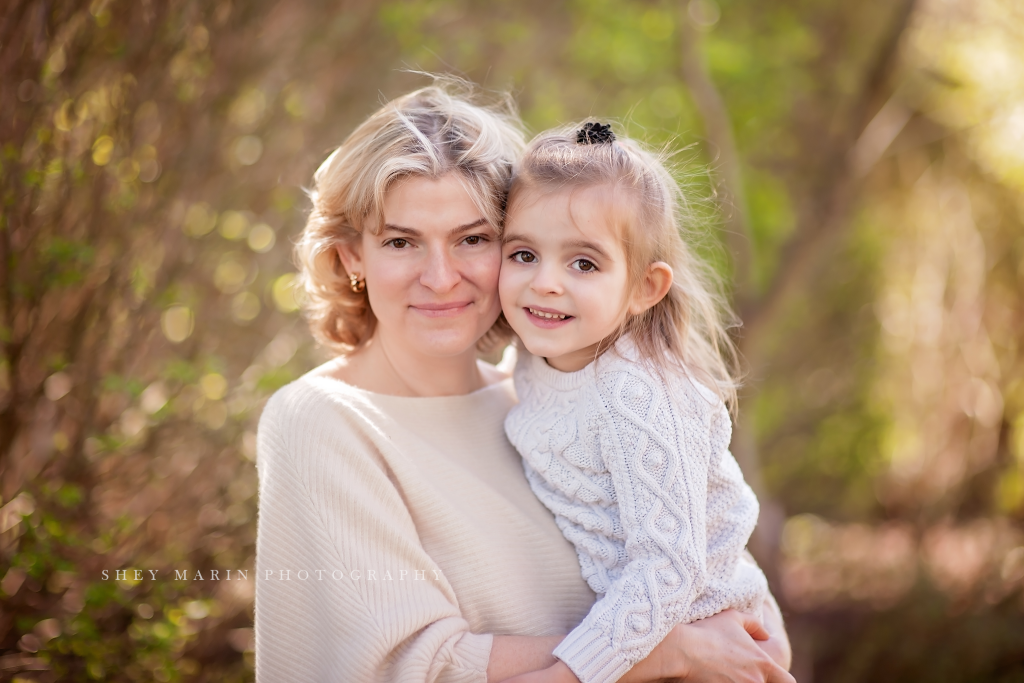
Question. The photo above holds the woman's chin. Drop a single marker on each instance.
(444, 343)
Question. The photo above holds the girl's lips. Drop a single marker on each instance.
(540, 317)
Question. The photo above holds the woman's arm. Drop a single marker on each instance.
(328, 517)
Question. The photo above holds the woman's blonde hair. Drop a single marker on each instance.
(688, 327)
(434, 131)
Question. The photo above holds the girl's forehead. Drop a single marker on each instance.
(570, 198)
(567, 217)
(586, 207)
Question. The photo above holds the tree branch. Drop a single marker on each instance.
(862, 149)
(719, 135)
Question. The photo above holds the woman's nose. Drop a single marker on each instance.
(440, 273)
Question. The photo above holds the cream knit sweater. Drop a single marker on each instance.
(637, 471)
(396, 535)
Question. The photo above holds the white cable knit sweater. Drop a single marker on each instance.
(638, 474)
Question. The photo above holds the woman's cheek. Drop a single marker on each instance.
(485, 267)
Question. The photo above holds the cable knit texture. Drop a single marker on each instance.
(429, 496)
(637, 471)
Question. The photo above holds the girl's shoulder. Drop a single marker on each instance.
(624, 370)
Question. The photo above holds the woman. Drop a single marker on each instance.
(397, 537)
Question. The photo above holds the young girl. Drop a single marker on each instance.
(622, 419)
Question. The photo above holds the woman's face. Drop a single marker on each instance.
(432, 272)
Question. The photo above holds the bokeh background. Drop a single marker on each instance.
(865, 161)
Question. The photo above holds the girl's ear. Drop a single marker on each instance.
(655, 285)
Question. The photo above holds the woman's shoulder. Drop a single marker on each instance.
(315, 424)
(303, 403)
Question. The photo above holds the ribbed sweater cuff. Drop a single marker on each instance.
(591, 656)
(474, 652)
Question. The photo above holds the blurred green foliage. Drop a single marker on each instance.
(152, 164)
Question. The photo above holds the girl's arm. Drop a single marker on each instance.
(514, 655)
(657, 452)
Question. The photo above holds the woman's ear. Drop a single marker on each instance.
(351, 255)
(655, 285)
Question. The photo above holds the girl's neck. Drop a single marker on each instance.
(383, 370)
(581, 358)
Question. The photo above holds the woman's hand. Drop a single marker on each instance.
(730, 647)
(726, 648)
(777, 646)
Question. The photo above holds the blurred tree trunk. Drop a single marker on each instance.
(869, 129)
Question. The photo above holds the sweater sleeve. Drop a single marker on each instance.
(732, 511)
(657, 451)
(344, 589)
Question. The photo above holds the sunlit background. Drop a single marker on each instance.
(866, 161)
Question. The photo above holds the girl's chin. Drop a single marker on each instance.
(549, 351)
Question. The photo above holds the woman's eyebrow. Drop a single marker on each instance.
(467, 227)
(404, 231)
(451, 233)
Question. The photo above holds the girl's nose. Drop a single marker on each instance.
(546, 280)
(440, 273)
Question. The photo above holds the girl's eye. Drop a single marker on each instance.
(523, 257)
(397, 243)
(584, 266)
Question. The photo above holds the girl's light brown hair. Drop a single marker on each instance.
(688, 327)
(432, 132)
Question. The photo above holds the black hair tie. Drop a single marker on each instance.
(593, 133)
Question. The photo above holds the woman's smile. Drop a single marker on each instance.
(442, 310)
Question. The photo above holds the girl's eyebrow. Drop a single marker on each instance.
(584, 244)
(572, 244)
(515, 238)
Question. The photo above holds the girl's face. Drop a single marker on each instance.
(564, 277)
(432, 272)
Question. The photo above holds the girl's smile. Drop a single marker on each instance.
(547, 317)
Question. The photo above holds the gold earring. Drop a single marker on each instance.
(355, 283)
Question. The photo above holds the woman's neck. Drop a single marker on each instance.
(383, 370)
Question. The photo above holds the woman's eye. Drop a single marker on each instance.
(474, 239)
(584, 266)
(398, 243)
(523, 257)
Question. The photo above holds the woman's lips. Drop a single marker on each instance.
(445, 310)
(546, 317)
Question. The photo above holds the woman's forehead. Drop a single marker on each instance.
(424, 204)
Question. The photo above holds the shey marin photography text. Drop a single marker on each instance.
(272, 574)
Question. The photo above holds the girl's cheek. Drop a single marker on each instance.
(506, 286)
